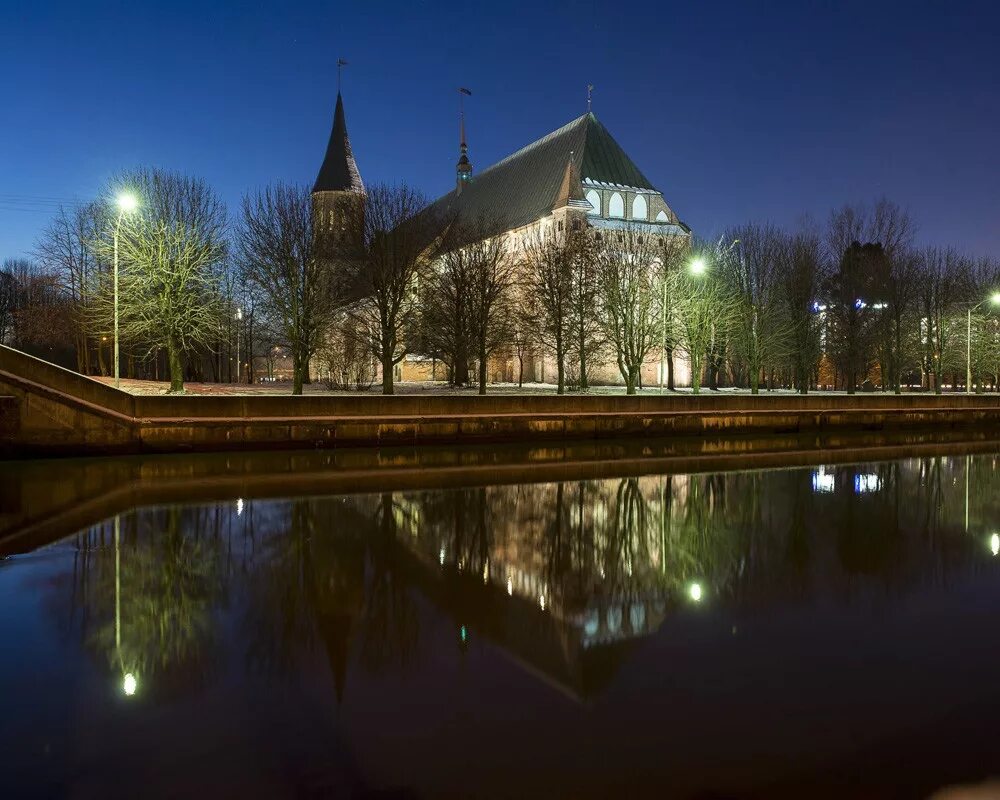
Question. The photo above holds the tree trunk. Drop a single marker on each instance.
(387, 367)
(630, 380)
(482, 370)
(583, 359)
(670, 369)
(176, 363)
(560, 372)
(520, 371)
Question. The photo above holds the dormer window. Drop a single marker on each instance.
(662, 217)
(594, 198)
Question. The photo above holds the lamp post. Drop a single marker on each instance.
(239, 365)
(126, 204)
(995, 299)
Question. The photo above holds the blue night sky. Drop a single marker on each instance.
(737, 111)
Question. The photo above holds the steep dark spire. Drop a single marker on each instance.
(339, 172)
(463, 169)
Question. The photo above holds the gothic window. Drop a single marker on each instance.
(639, 209)
(594, 198)
(616, 206)
(662, 217)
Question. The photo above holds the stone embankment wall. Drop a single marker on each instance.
(59, 411)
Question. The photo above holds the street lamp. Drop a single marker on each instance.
(698, 266)
(239, 365)
(995, 300)
(126, 205)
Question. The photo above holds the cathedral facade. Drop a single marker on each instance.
(575, 177)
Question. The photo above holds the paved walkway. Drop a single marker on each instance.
(419, 388)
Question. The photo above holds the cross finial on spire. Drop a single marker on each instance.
(340, 64)
(590, 91)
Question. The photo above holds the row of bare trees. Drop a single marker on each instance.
(856, 305)
(851, 305)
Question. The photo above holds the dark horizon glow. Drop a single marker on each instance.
(736, 111)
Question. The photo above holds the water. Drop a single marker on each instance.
(810, 631)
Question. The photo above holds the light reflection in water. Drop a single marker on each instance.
(564, 578)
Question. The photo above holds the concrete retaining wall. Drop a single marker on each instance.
(59, 411)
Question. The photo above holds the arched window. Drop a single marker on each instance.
(594, 198)
(639, 208)
(662, 217)
(616, 206)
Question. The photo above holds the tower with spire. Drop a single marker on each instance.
(463, 169)
(338, 196)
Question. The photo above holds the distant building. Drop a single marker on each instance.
(576, 177)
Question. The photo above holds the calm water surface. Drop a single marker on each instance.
(822, 631)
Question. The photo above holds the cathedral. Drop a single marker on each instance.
(576, 176)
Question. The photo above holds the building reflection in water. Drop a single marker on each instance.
(563, 578)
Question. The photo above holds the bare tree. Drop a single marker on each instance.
(628, 272)
(397, 243)
(853, 311)
(493, 270)
(277, 250)
(585, 324)
(943, 278)
(751, 271)
(446, 303)
(801, 273)
(65, 249)
(170, 252)
(706, 308)
(549, 277)
(8, 296)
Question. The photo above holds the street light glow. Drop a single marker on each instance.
(695, 592)
(995, 298)
(127, 202)
(698, 266)
(995, 544)
(129, 684)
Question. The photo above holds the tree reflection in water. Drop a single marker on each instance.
(568, 566)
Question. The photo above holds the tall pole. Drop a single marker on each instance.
(663, 319)
(118, 225)
(968, 354)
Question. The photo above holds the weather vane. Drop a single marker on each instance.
(590, 91)
(340, 64)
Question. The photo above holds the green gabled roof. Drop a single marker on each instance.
(525, 185)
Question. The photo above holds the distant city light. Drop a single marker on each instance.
(441, 557)
(541, 601)
(510, 586)
(823, 482)
(866, 482)
(995, 544)
(129, 684)
(239, 506)
(694, 592)
(464, 634)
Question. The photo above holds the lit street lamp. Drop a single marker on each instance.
(697, 267)
(126, 204)
(239, 365)
(995, 300)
